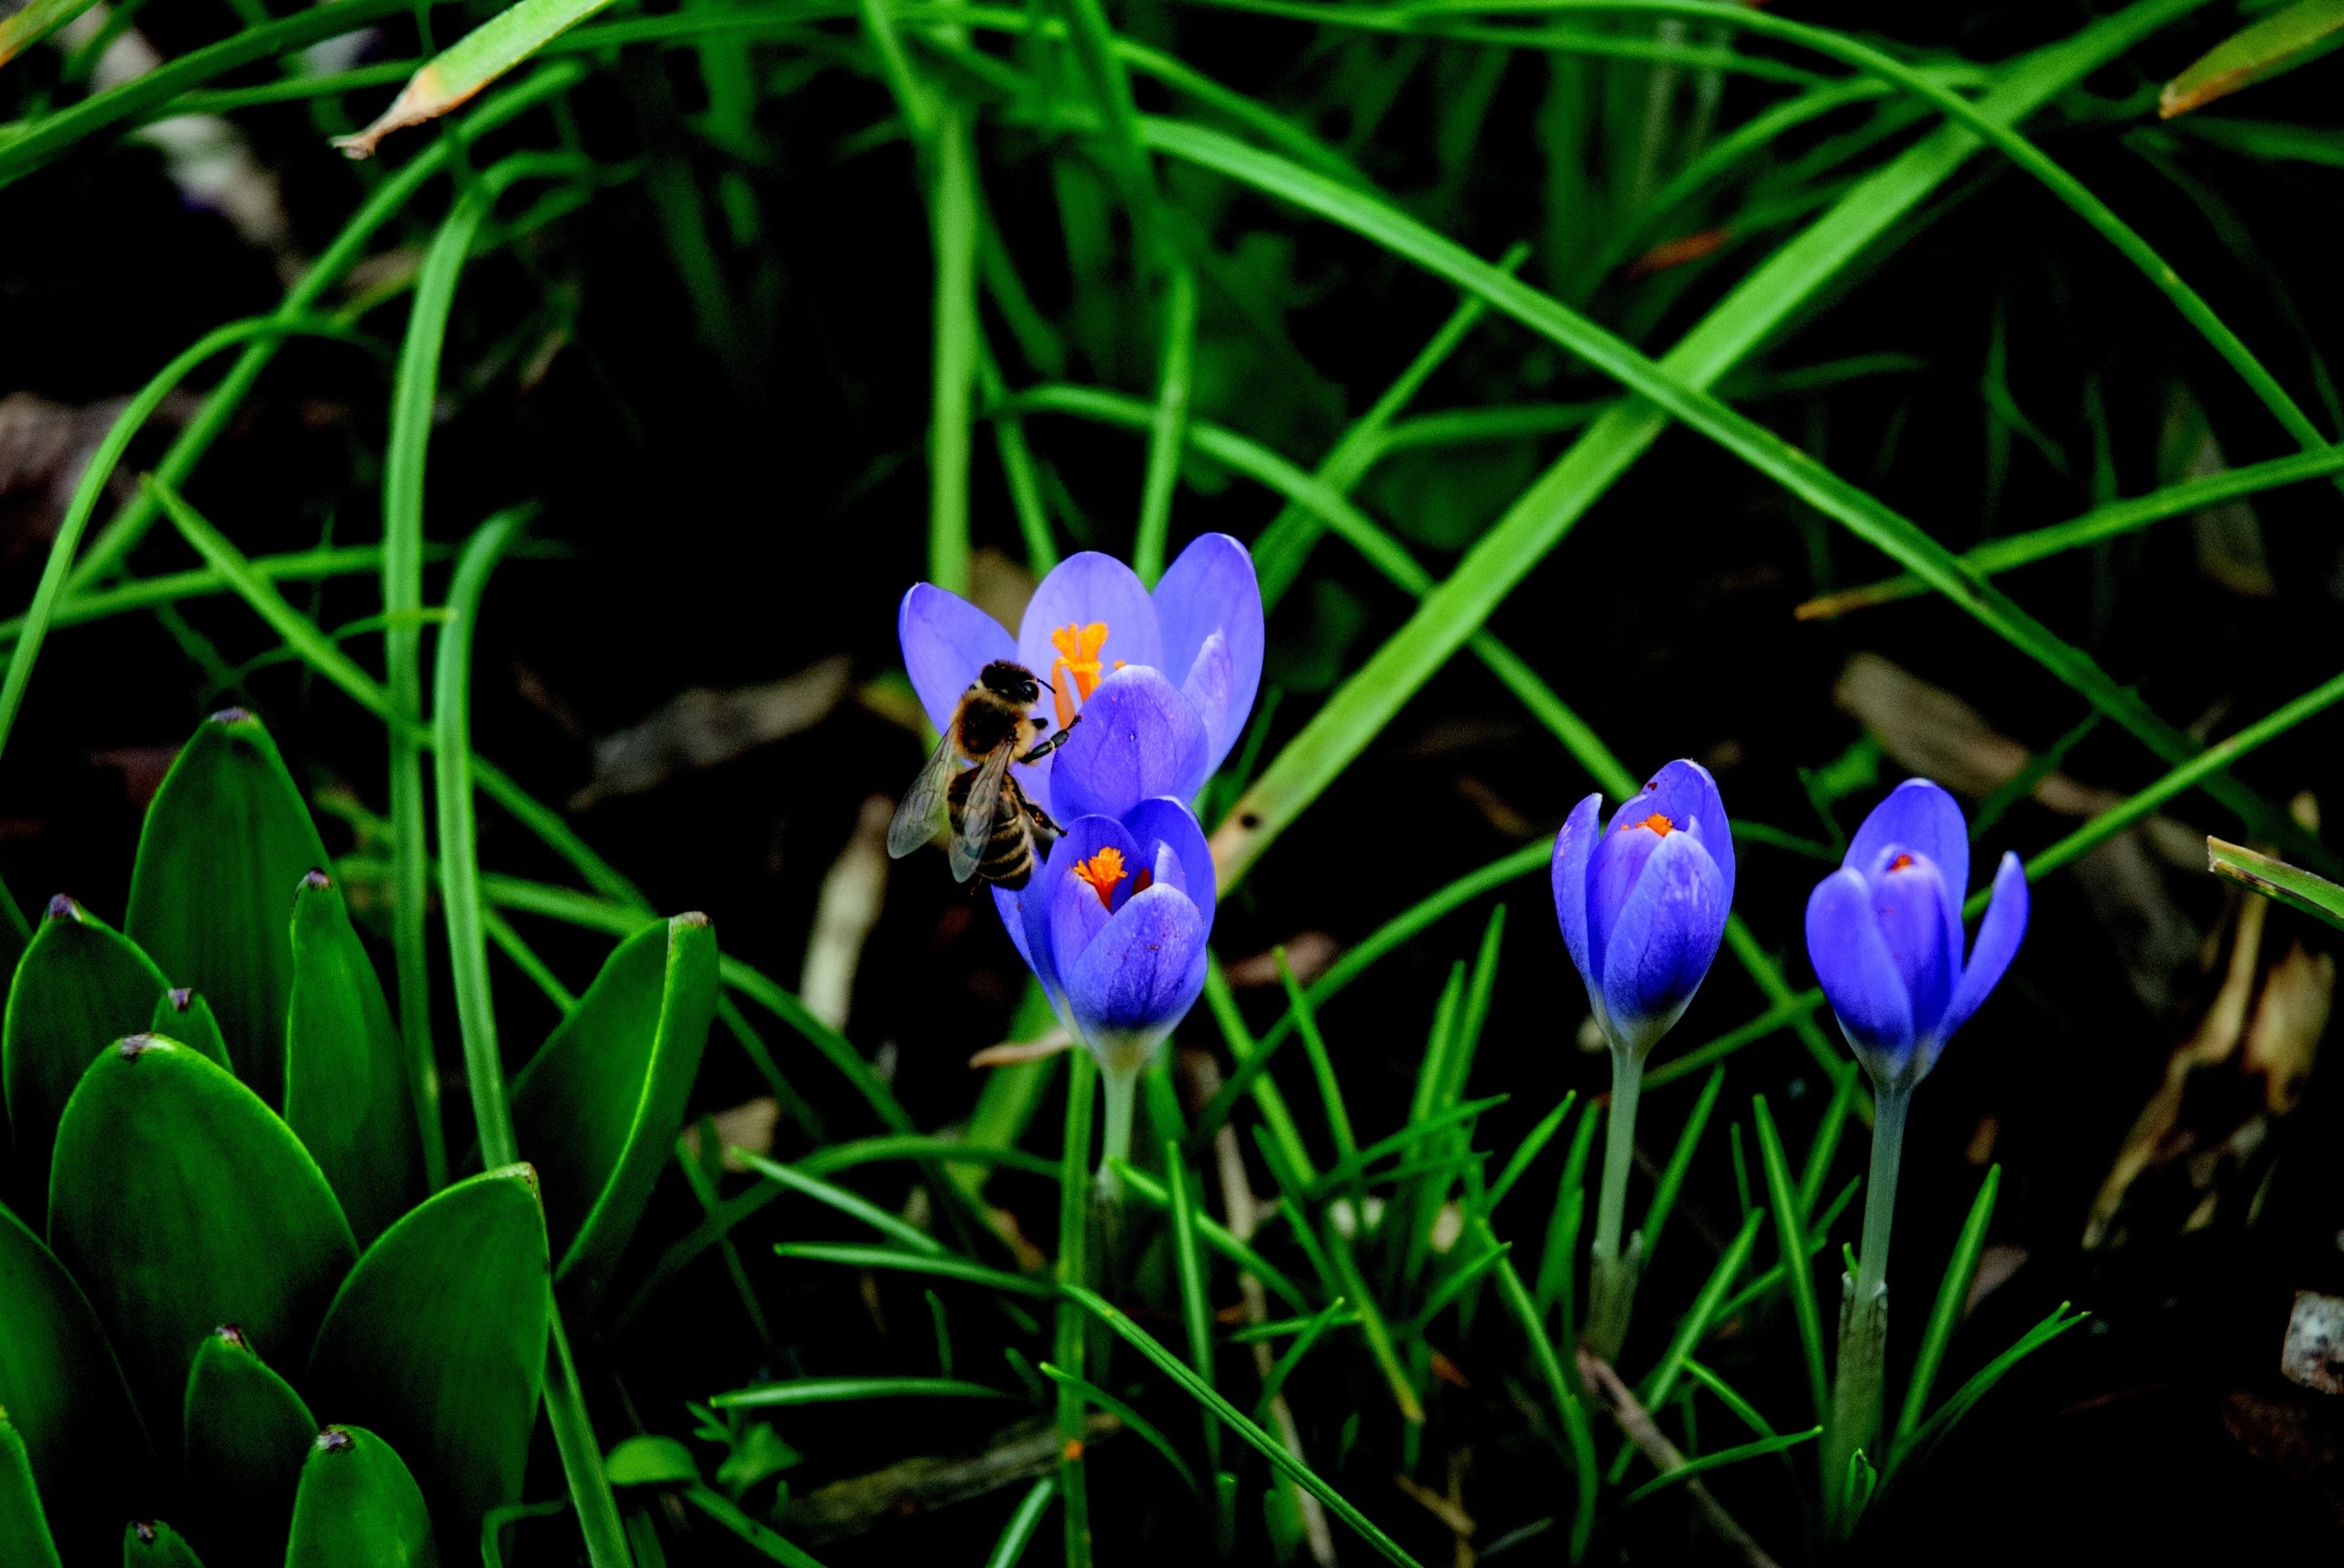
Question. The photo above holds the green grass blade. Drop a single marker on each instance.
(1525, 1151)
(1196, 1305)
(1693, 1467)
(1392, 934)
(2277, 880)
(1728, 1396)
(1661, 1381)
(952, 220)
(1019, 1531)
(1459, 1281)
(942, 1267)
(35, 22)
(837, 1390)
(853, 1204)
(2280, 42)
(726, 1512)
(1825, 1143)
(460, 870)
(1131, 1418)
(1169, 428)
(1331, 1091)
(1945, 1316)
(1072, 1272)
(470, 63)
(1138, 1183)
(1933, 1430)
(1306, 1336)
(1261, 1441)
(1790, 1229)
(1578, 1438)
(582, 1456)
(1680, 1160)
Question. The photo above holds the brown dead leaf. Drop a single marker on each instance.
(1493, 808)
(2283, 1040)
(1996, 1264)
(1309, 954)
(747, 1126)
(852, 894)
(702, 727)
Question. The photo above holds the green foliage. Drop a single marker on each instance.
(601, 1101)
(80, 986)
(244, 1433)
(227, 841)
(358, 1506)
(437, 1340)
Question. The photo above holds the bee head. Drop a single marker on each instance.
(1014, 682)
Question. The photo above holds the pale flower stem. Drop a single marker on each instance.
(1618, 1152)
(1118, 1085)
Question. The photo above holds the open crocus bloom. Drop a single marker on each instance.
(1643, 903)
(1884, 933)
(1199, 632)
(1114, 923)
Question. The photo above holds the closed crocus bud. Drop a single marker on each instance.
(1884, 933)
(1644, 900)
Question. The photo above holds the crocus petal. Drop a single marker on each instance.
(1909, 906)
(946, 640)
(1012, 914)
(1686, 792)
(1613, 873)
(1857, 974)
(1138, 738)
(1212, 588)
(1207, 688)
(1061, 910)
(1165, 826)
(1087, 589)
(1662, 941)
(1139, 976)
(1921, 817)
(1573, 848)
(1999, 935)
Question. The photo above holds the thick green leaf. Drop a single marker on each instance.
(347, 1092)
(59, 1387)
(24, 1527)
(246, 1432)
(151, 1543)
(438, 1341)
(598, 1106)
(2280, 42)
(648, 1460)
(182, 1203)
(80, 986)
(183, 1015)
(359, 1506)
(227, 840)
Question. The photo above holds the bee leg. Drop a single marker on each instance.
(1041, 819)
(1044, 748)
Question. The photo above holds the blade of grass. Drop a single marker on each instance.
(1330, 1091)
(1824, 1145)
(2277, 880)
(1691, 1467)
(1743, 1411)
(1094, 1394)
(936, 1266)
(1169, 428)
(839, 1390)
(1525, 1151)
(953, 222)
(2109, 522)
(1953, 1294)
(1015, 1535)
(1790, 1231)
(459, 870)
(1578, 1438)
(1771, 1280)
(1072, 1274)
(1933, 1430)
(853, 1204)
(1306, 1336)
(1680, 1160)
(1138, 1183)
(499, 44)
(581, 1455)
(1261, 1441)
(1457, 1282)
(1196, 1307)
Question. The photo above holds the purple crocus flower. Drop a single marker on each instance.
(1199, 635)
(1114, 924)
(1884, 933)
(1644, 900)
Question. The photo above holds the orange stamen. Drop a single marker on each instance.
(1658, 822)
(1104, 871)
(1899, 863)
(1077, 665)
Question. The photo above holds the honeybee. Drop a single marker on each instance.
(968, 781)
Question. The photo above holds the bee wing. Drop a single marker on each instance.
(923, 808)
(977, 813)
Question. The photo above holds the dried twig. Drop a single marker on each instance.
(1637, 1423)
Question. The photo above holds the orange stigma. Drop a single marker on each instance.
(1658, 822)
(1899, 863)
(1104, 871)
(1077, 665)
